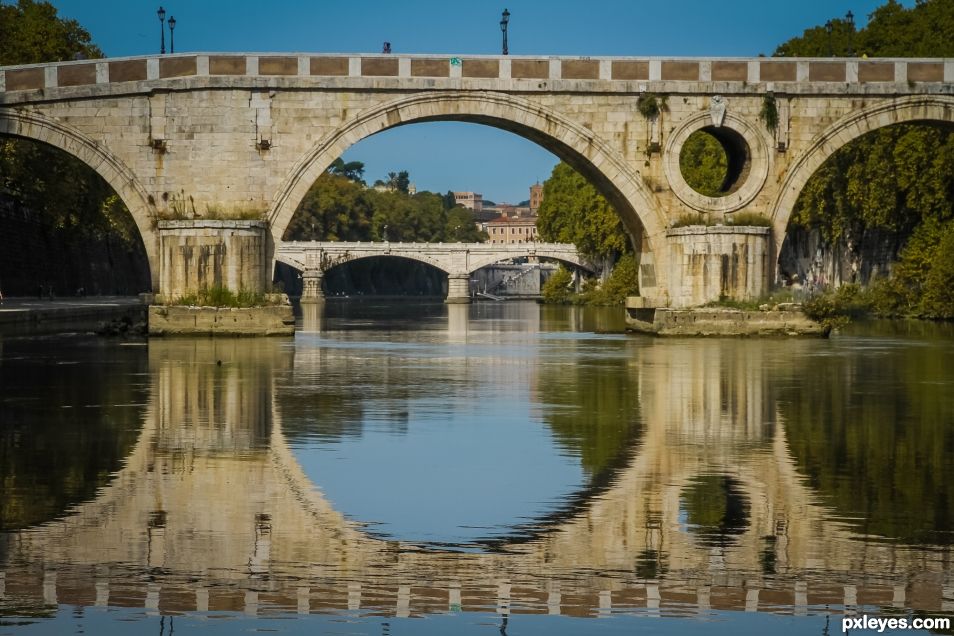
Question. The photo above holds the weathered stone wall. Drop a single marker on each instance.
(709, 263)
(198, 255)
(275, 320)
(721, 322)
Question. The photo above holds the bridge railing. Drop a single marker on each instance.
(906, 75)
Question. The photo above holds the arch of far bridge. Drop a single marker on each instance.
(911, 109)
(37, 127)
(423, 253)
(570, 141)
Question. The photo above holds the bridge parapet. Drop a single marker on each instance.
(458, 260)
(480, 72)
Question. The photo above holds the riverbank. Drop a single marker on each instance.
(31, 316)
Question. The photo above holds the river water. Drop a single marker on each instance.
(496, 468)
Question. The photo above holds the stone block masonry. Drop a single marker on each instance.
(241, 136)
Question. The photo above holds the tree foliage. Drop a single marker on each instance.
(31, 32)
(352, 170)
(923, 30)
(337, 208)
(704, 164)
(574, 212)
(898, 180)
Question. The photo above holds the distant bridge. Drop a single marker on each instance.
(457, 260)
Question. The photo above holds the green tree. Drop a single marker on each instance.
(353, 170)
(334, 209)
(897, 181)
(398, 181)
(31, 32)
(574, 212)
(704, 164)
(460, 227)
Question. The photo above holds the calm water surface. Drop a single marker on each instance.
(485, 469)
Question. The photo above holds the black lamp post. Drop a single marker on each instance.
(828, 27)
(172, 35)
(850, 18)
(162, 30)
(504, 21)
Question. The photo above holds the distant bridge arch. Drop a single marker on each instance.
(454, 259)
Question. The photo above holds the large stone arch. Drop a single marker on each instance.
(572, 142)
(37, 127)
(924, 108)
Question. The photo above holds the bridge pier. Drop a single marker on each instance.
(201, 254)
(458, 288)
(311, 291)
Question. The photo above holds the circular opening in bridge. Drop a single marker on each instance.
(715, 161)
(714, 509)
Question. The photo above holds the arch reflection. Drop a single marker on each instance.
(213, 510)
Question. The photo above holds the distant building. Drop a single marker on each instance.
(470, 200)
(536, 197)
(512, 230)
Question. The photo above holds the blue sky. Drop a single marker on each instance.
(447, 156)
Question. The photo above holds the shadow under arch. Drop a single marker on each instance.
(34, 126)
(571, 142)
(909, 109)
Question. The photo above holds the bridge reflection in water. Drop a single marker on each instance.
(212, 511)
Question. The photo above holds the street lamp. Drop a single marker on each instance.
(504, 21)
(162, 30)
(172, 35)
(828, 27)
(850, 18)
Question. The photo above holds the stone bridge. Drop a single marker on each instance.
(457, 260)
(212, 431)
(217, 139)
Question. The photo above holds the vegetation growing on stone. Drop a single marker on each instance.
(768, 115)
(218, 296)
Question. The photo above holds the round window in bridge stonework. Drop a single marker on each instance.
(714, 161)
(716, 168)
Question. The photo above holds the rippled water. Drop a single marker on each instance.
(497, 468)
